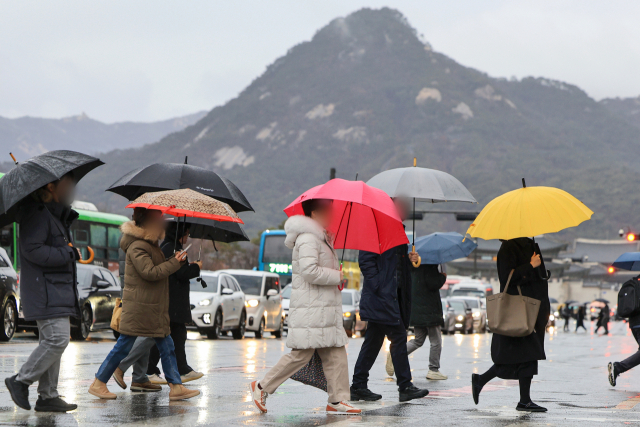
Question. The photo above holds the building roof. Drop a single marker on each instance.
(602, 251)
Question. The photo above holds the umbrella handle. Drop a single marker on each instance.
(91, 256)
(341, 285)
(416, 264)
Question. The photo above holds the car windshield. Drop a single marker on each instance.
(458, 306)
(468, 293)
(275, 251)
(212, 284)
(347, 298)
(473, 303)
(286, 292)
(251, 285)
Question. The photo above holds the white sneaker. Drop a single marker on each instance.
(389, 365)
(258, 396)
(342, 408)
(191, 376)
(436, 375)
(156, 379)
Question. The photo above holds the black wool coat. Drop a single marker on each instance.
(426, 304)
(179, 284)
(516, 255)
(48, 265)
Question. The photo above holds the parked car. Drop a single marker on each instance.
(219, 307)
(351, 313)
(263, 302)
(478, 312)
(286, 298)
(9, 297)
(98, 289)
(457, 316)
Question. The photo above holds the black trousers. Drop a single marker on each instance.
(373, 340)
(633, 360)
(179, 336)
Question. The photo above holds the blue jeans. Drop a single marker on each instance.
(122, 349)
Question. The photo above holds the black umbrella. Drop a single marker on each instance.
(174, 176)
(38, 171)
(201, 228)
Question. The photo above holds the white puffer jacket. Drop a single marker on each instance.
(315, 308)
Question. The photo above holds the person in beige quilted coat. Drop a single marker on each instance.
(315, 310)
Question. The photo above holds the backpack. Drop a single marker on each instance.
(629, 298)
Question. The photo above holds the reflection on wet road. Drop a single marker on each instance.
(572, 384)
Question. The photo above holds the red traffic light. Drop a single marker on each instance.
(631, 237)
(611, 270)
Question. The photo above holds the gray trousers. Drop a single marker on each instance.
(435, 338)
(43, 364)
(139, 358)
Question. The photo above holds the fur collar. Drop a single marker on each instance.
(300, 224)
(130, 228)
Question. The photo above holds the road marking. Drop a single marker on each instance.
(629, 404)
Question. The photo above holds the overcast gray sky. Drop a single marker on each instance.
(147, 60)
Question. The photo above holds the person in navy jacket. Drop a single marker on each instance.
(386, 306)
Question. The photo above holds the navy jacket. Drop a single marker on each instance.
(386, 291)
(48, 265)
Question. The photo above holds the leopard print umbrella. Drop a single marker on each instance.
(186, 203)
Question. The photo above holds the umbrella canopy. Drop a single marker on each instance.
(186, 203)
(201, 228)
(26, 177)
(628, 261)
(423, 184)
(438, 248)
(365, 218)
(528, 212)
(173, 176)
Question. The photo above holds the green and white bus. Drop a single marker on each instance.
(99, 230)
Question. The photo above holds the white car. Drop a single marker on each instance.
(263, 302)
(219, 307)
(478, 311)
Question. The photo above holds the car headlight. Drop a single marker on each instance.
(205, 302)
(347, 314)
(556, 314)
(251, 303)
(206, 318)
(460, 317)
(476, 315)
(444, 316)
(551, 317)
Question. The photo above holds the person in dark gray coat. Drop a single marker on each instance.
(48, 290)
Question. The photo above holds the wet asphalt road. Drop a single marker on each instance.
(572, 384)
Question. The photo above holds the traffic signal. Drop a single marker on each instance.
(632, 237)
(611, 270)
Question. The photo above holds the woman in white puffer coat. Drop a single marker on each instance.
(315, 310)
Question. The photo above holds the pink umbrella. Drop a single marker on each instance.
(365, 218)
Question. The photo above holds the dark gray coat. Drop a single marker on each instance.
(426, 304)
(48, 265)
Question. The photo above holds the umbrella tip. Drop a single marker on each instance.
(185, 159)
(14, 158)
(524, 185)
(415, 162)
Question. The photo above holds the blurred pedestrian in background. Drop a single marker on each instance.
(315, 310)
(516, 358)
(145, 303)
(426, 317)
(603, 319)
(386, 305)
(48, 290)
(582, 312)
(565, 312)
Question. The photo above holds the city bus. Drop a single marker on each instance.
(99, 230)
(275, 257)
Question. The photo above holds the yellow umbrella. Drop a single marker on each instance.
(529, 212)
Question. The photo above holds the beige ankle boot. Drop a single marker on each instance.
(180, 392)
(99, 389)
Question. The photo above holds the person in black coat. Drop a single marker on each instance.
(517, 357)
(426, 317)
(48, 291)
(179, 304)
(603, 319)
(386, 304)
(582, 312)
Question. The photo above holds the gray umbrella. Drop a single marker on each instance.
(428, 185)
